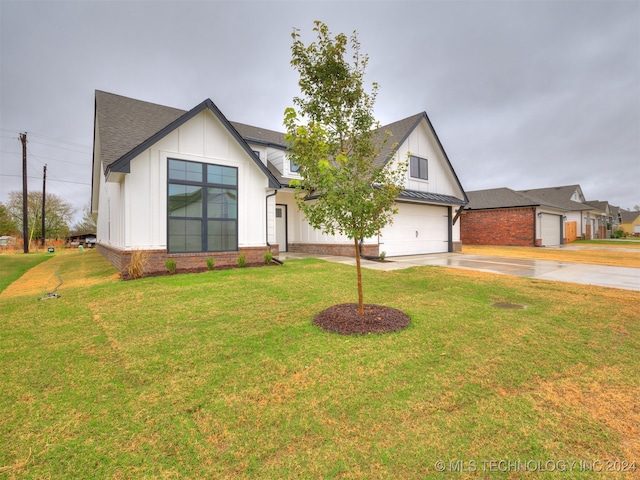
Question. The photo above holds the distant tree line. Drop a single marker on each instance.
(58, 217)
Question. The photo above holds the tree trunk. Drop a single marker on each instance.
(360, 294)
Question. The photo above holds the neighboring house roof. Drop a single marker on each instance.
(598, 205)
(498, 198)
(503, 198)
(629, 216)
(128, 127)
(559, 196)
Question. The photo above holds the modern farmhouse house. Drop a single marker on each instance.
(189, 185)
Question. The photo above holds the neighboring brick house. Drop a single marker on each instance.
(589, 221)
(189, 185)
(501, 216)
(537, 217)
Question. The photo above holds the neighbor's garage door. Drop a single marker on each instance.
(550, 229)
(416, 229)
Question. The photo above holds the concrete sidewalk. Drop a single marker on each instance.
(604, 276)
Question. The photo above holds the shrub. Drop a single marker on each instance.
(211, 263)
(242, 260)
(383, 255)
(268, 256)
(171, 265)
(137, 263)
(618, 234)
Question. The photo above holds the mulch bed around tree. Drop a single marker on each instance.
(344, 319)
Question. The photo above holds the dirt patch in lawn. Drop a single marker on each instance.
(344, 319)
(592, 256)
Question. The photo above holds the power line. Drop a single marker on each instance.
(31, 134)
(40, 178)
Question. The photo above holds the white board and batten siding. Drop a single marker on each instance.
(420, 228)
(202, 139)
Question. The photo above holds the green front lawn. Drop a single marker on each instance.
(13, 266)
(222, 375)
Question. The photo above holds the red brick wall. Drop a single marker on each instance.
(339, 249)
(502, 226)
(184, 261)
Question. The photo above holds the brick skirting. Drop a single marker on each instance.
(339, 249)
(184, 261)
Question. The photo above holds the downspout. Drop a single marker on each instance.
(450, 228)
(366, 257)
(266, 224)
(535, 226)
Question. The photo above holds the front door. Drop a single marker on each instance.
(281, 227)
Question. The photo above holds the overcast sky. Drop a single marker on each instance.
(523, 94)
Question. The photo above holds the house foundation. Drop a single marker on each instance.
(156, 259)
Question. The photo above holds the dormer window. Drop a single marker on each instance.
(293, 168)
(418, 168)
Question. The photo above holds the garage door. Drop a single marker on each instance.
(550, 229)
(416, 229)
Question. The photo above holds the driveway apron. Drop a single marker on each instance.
(605, 276)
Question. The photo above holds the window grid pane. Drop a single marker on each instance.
(185, 235)
(185, 201)
(201, 217)
(187, 171)
(418, 168)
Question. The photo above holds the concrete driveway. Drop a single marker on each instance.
(617, 277)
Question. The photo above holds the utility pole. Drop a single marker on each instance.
(44, 197)
(25, 217)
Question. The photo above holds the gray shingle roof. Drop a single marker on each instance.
(116, 115)
(499, 198)
(124, 123)
(558, 196)
(260, 135)
(127, 125)
(555, 197)
(628, 216)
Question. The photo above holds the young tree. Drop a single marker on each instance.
(335, 140)
(58, 214)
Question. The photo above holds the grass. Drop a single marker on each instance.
(222, 374)
(612, 253)
(13, 266)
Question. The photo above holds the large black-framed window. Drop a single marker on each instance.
(419, 167)
(202, 207)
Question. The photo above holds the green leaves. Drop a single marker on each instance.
(342, 188)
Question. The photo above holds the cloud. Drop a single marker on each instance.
(521, 94)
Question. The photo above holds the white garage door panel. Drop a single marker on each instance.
(550, 229)
(416, 229)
